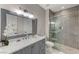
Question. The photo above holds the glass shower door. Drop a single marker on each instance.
(55, 29)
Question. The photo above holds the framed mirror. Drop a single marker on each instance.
(16, 25)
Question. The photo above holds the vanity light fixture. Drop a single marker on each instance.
(27, 14)
(24, 13)
(19, 12)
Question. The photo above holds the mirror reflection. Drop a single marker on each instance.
(17, 25)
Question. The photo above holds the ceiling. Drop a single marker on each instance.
(57, 7)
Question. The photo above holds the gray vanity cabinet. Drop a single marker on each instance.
(39, 47)
(36, 48)
(26, 50)
(42, 46)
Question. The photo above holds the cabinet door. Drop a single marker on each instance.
(35, 49)
(18, 52)
(38, 48)
(26, 50)
(42, 46)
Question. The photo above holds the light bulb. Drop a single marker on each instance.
(19, 12)
(31, 16)
(25, 14)
(28, 15)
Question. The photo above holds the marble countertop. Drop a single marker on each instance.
(15, 44)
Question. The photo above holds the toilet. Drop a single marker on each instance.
(49, 44)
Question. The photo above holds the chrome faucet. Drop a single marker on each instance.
(27, 36)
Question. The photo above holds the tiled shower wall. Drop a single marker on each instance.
(69, 19)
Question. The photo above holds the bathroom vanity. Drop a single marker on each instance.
(33, 45)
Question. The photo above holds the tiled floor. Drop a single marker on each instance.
(53, 51)
(67, 49)
(50, 50)
(63, 50)
(60, 47)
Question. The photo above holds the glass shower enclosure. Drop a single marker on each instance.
(54, 29)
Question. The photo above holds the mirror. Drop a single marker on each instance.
(24, 25)
(17, 25)
(11, 25)
(27, 25)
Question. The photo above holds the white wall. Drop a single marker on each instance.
(35, 9)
